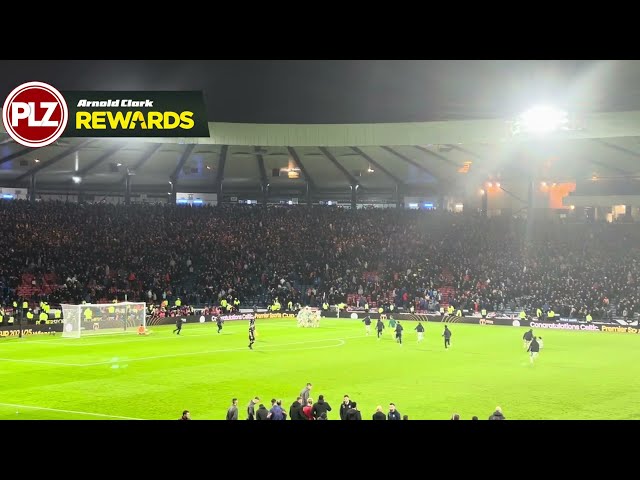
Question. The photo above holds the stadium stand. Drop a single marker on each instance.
(69, 252)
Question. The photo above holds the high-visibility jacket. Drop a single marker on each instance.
(589, 317)
(523, 315)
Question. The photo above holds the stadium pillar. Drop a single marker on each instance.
(485, 202)
(354, 197)
(265, 194)
(32, 188)
(127, 189)
(308, 193)
(441, 204)
(397, 196)
(627, 213)
(173, 192)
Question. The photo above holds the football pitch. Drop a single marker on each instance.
(578, 375)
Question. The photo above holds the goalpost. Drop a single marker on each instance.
(103, 318)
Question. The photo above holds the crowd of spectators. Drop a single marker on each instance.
(151, 253)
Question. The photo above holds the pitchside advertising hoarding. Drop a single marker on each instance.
(562, 324)
(36, 114)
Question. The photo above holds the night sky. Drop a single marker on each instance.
(358, 91)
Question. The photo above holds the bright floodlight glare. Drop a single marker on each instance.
(542, 119)
(76, 179)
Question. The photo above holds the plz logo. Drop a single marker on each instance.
(35, 114)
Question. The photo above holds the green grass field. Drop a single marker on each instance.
(579, 375)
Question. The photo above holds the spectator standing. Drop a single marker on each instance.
(320, 407)
(497, 415)
(379, 415)
(232, 411)
(344, 406)
(353, 413)
(305, 393)
(393, 413)
(251, 408)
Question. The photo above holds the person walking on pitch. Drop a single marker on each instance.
(447, 337)
(178, 326)
(367, 324)
(399, 329)
(534, 350)
(252, 333)
(379, 328)
(420, 330)
(527, 337)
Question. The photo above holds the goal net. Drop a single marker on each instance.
(104, 318)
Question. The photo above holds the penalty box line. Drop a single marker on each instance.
(33, 407)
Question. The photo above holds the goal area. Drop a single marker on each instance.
(104, 318)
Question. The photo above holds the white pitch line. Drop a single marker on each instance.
(15, 405)
(206, 352)
(43, 362)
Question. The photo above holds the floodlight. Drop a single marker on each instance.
(76, 179)
(542, 119)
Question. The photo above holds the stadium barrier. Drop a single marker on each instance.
(562, 324)
(14, 331)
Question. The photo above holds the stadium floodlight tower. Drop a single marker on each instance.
(541, 120)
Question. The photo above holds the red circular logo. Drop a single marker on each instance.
(35, 114)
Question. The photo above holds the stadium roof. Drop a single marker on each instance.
(331, 157)
(467, 136)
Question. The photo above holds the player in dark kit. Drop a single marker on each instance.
(252, 333)
(447, 337)
(420, 330)
(527, 337)
(380, 328)
(219, 323)
(178, 326)
(399, 329)
(534, 349)
(367, 324)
